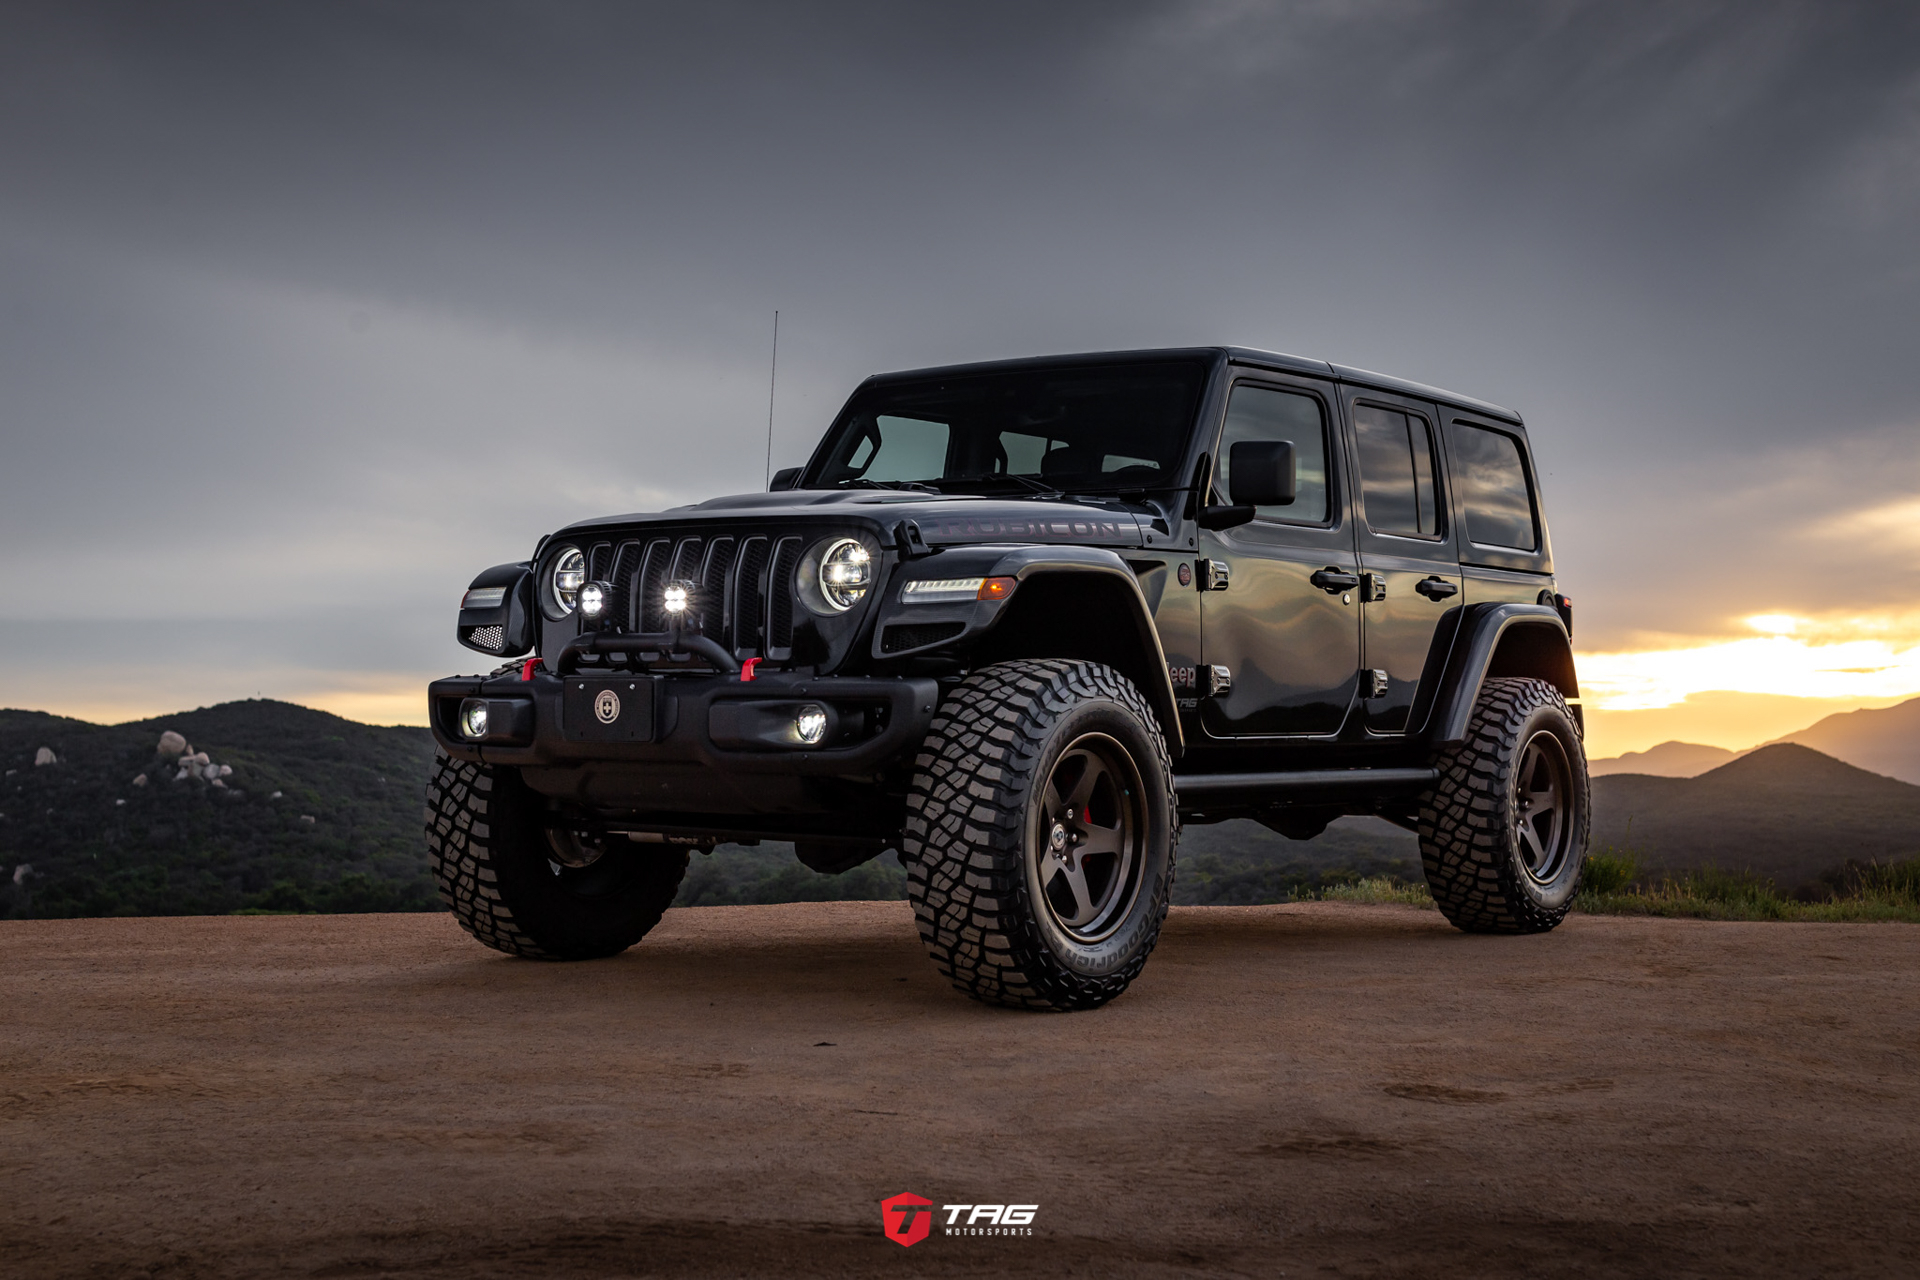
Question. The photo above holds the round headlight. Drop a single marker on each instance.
(846, 571)
(565, 578)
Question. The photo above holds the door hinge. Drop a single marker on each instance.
(1373, 683)
(1214, 575)
(1373, 586)
(1219, 679)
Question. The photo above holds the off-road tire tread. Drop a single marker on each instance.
(1464, 845)
(963, 840)
(464, 829)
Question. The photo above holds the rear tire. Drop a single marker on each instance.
(1040, 835)
(490, 850)
(1504, 830)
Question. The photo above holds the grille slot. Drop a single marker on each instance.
(918, 635)
(786, 558)
(749, 613)
(653, 582)
(714, 601)
(625, 562)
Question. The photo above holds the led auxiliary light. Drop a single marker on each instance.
(594, 598)
(810, 724)
(678, 595)
(473, 718)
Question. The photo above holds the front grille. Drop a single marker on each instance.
(743, 594)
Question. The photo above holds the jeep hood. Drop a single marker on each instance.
(943, 519)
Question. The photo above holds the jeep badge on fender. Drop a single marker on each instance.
(1020, 621)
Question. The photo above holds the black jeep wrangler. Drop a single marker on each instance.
(1019, 621)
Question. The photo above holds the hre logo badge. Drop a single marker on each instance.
(906, 1218)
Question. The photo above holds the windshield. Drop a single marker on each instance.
(1068, 429)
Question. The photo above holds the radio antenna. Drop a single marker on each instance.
(772, 373)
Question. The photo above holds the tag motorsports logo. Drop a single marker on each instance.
(908, 1219)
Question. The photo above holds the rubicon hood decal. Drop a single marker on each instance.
(1039, 527)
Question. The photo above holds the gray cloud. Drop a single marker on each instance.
(343, 301)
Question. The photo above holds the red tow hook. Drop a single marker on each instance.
(526, 669)
(746, 669)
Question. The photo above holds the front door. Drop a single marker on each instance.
(1280, 614)
(1410, 568)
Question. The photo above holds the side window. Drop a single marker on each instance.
(1493, 489)
(1265, 413)
(1396, 471)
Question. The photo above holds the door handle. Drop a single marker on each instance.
(1436, 588)
(1333, 580)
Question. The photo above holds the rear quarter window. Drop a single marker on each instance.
(1493, 489)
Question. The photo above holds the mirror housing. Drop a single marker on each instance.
(507, 612)
(783, 479)
(1261, 473)
(1223, 517)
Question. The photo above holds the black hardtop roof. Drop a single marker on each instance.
(1238, 355)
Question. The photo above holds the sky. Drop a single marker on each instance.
(308, 312)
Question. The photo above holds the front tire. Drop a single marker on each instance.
(1040, 835)
(521, 889)
(1504, 830)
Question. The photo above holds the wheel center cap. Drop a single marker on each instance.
(1057, 840)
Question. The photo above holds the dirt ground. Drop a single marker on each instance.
(1304, 1090)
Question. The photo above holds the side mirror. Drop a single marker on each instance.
(1260, 473)
(496, 613)
(784, 478)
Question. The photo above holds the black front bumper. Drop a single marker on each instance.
(695, 763)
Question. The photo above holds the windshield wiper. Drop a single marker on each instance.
(1035, 486)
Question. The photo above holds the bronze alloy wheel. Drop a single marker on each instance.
(1542, 787)
(1084, 844)
(1505, 826)
(1041, 834)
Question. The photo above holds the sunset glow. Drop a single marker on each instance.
(1855, 658)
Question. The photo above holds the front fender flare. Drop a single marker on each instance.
(1135, 629)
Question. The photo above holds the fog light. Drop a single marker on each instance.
(677, 596)
(473, 718)
(594, 597)
(810, 724)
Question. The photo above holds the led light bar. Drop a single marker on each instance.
(956, 590)
(484, 598)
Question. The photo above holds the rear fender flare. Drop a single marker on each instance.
(1503, 640)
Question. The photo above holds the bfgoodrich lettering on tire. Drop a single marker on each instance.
(528, 892)
(1040, 834)
(1504, 830)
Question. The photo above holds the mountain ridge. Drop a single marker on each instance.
(1882, 740)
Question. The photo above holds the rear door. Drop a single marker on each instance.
(1291, 647)
(1410, 588)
